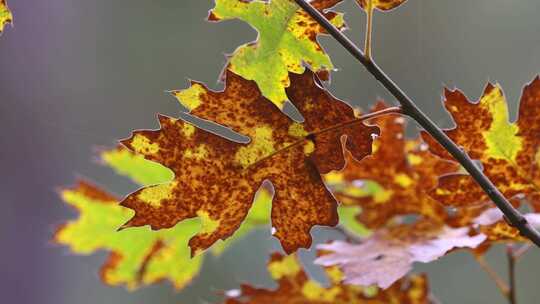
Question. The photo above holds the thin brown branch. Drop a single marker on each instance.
(521, 251)
(410, 109)
(369, 29)
(501, 284)
(510, 254)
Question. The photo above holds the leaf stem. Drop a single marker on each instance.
(369, 29)
(409, 108)
(390, 110)
(503, 287)
(521, 251)
(511, 257)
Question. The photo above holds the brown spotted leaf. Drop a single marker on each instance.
(401, 170)
(508, 151)
(389, 253)
(216, 179)
(295, 287)
(383, 5)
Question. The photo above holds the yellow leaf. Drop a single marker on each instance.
(287, 39)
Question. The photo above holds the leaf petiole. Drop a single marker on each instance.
(390, 110)
(369, 29)
(501, 284)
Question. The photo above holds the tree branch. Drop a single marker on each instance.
(514, 217)
(521, 251)
(503, 287)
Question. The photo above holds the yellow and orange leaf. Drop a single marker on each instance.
(295, 287)
(508, 151)
(139, 256)
(287, 39)
(216, 179)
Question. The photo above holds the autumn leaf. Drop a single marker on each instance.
(216, 179)
(5, 15)
(399, 173)
(287, 39)
(508, 151)
(390, 252)
(139, 256)
(294, 286)
(383, 5)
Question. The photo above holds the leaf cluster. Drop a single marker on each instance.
(398, 200)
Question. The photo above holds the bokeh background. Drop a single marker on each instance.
(76, 75)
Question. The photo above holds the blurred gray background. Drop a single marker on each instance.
(76, 75)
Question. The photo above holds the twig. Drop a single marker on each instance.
(357, 120)
(410, 109)
(369, 29)
(521, 251)
(510, 254)
(390, 110)
(503, 287)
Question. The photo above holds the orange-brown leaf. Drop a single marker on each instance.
(508, 151)
(216, 179)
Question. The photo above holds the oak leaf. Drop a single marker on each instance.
(5, 15)
(390, 252)
(398, 177)
(295, 287)
(383, 5)
(216, 179)
(287, 39)
(139, 256)
(508, 151)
